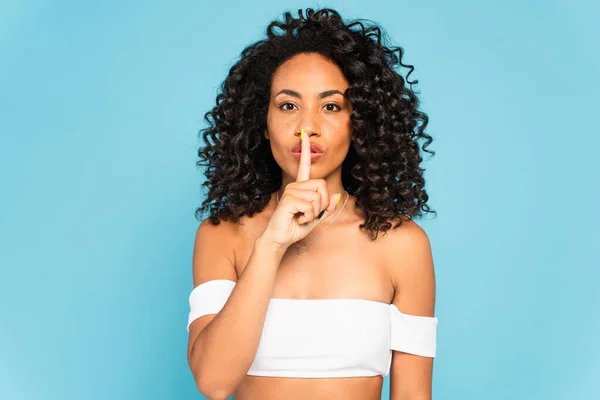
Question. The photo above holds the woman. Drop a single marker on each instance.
(314, 151)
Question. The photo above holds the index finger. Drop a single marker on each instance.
(304, 166)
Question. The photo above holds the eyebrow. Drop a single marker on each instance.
(321, 95)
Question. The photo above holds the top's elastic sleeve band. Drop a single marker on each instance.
(209, 298)
(413, 334)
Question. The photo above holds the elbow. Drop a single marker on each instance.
(211, 388)
(208, 385)
(212, 382)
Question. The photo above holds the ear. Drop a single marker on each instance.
(266, 133)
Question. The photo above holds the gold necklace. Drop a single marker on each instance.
(303, 249)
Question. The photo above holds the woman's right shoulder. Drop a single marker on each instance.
(232, 231)
(214, 251)
(208, 225)
(228, 238)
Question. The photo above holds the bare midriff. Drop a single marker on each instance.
(270, 388)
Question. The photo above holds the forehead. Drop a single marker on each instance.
(308, 73)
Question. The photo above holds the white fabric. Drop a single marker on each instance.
(209, 298)
(325, 338)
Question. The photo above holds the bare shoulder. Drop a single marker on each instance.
(408, 236)
(214, 251)
(408, 258)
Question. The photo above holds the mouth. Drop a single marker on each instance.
(313, 155)
(314, 148)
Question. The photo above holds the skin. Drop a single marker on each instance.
(397, 268)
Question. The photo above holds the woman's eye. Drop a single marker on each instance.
(287, 106)
(291, 106)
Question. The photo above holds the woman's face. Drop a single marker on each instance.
(307, 93)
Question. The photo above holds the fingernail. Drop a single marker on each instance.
(301, 134)
(321, 214)
(339, 198)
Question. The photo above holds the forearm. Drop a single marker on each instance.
(225, 349)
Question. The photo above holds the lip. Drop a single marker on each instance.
(314, 148)
(313, 156)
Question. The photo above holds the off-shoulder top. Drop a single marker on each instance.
(325, 338)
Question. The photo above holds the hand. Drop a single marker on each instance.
(302, 201)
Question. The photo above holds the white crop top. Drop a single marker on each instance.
(325, 338)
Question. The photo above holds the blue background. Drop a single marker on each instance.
(100, 105)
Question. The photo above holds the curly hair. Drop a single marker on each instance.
(382, 168)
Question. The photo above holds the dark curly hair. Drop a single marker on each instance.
(382, 168)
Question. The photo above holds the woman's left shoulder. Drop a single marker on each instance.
(406, 249)
(409, 235)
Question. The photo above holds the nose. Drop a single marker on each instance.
(308, 119)
(310, 130)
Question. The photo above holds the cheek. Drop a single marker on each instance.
(277, 146)
(345, 123)
(276, 125)
(276, 138)
(343, 140)
(338, 123)
(280, 131)
(342, 150)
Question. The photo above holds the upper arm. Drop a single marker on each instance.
(413, 276)
(213, 258)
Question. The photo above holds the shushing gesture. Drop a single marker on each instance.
(297, 213)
